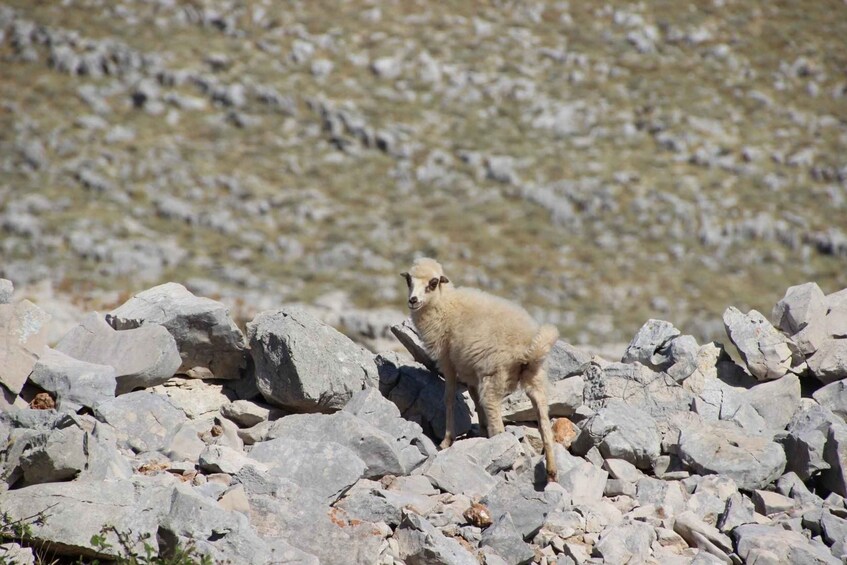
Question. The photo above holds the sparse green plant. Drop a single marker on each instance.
(127, 554)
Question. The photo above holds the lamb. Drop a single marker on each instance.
(485, 342)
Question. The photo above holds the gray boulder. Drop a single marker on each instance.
(703, 536)
(22, 340)
(74, 383)
(58, 455)
(420, 542)
(833, 397)
(15, 554)
(223, 459)
(457, 473)
(143, 357)
(407, 335)
(651, 345)
(766, 352)
(78, 510)
(722, 448)
(739, 510)
(419, 395)
(566, 360)
(835, 455)
(621, 432)
(282, 510)
(836, 315)
(800, 314)
(628, 542)
(583, 480)
(504, 539)
(326, 467)
(371, 506)
(247, 413)
(805, 440)
(143, 421)
(497, 454)
(829, 363)
(6, 291)
(305, 365)
(757, 543)
(527, 507)
(382, 453)
(209, 342)
(657, 394)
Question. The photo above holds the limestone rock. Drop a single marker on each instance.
(751, 461)
(829, 363)
(621, 432)
(22, 341)
(304, 365)
(766, 352)
(142, 357)
(74, 383)
(209, 342)
(143, 421)
(800, 314)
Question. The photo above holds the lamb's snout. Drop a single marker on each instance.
(414, 303)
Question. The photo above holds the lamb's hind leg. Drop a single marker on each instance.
(536, 391)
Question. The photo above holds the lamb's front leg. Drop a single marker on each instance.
(480, 411)
(449, 405)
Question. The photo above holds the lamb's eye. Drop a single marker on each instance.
(433, 283)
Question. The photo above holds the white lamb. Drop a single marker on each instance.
(486, 342)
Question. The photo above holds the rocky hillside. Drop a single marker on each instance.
(602, 163)
(160, 429)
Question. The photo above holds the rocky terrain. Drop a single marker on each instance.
(161, 429)
(602, 163)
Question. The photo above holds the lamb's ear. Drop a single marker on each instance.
(444, 279)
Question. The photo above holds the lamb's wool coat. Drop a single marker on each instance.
(486, 342)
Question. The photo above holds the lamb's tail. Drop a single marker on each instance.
(541, 345)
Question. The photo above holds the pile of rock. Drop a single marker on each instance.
(297, 445)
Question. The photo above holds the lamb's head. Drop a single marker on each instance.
(426, 282)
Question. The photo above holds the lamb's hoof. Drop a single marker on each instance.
(447, 442)
(552, 476)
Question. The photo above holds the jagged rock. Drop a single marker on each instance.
(757, 543)
(222, 459)
(408, 336)
(247, 413)
(369, 505)
(195, 397)
(304, 365)
(768, 503)
(766, 352)
(58, 455)
(74, 383)
(78, 510)
(143, 357)
(22, 341)
(496, 454)
(209, 342)
(420, 542)
(457, 473)
(419, 395)
(563, 398)
(325, 467)
(834, 528)
(658, 493)
(833, 397)
(836, 315)
(835, 455)
(528, 508)
(805, 440)
(504, 539)
(6, 291)
(703, 536)
(800, 314)
(282, 510)
(657, 394)
(584, 481)
(751, 461)
(622, 469)
(14, 553)
(628, 542)
(621, 432)
(142, 420)
(829, 363)
(651, 345)
(382, 453)
(739, 510)
(372, 407)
